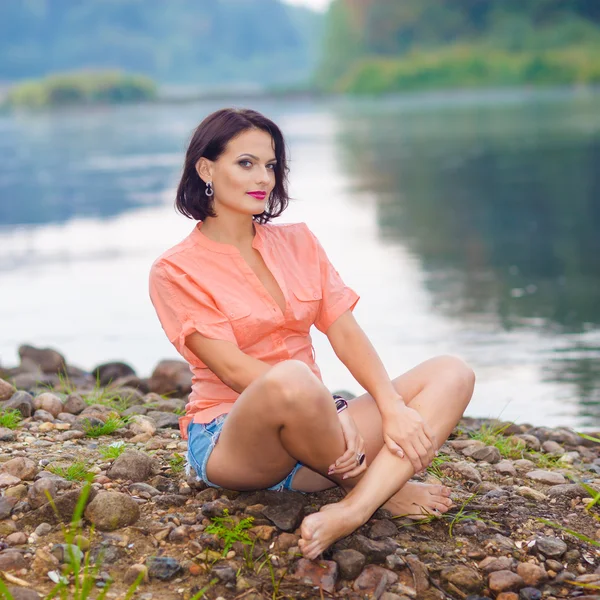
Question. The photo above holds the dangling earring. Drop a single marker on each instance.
(209, 189)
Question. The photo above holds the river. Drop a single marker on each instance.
(467, 222)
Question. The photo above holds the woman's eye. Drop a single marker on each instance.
(245, 163)
(271, 166)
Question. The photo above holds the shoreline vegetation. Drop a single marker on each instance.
(81, 88)
(94, 494)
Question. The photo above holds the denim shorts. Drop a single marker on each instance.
(202, 438)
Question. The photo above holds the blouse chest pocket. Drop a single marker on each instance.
(240, 317)
(306, 303)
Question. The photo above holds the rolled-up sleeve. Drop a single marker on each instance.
(337, 296)
(184, 308)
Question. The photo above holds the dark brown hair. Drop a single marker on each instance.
(209, 141)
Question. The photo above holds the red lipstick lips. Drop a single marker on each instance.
(258, 195)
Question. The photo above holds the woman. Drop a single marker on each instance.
(237, 298)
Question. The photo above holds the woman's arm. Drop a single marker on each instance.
(233, 367)
(404, 430)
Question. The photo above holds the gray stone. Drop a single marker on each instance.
(551, 547)
(382, 528)
(531, 441)
(163, 567)
(225, 573)
(6, 505)
(20, 593)
(133, 466)
(286, 516)
(505, 467)
(464, 470)
(108, 373)
(552, 447)
(567, 490)
(350, 562)
(21, 401)
(530, 593)
(140, 487)
(373, 550)
(112, 510)
(37, 494)
(140, 424)
(43, 415)
(11, 560)
(74, 404)
(501, 563)
(48, 360)
(164, 419)
(547, 477)
(489, 454)
(7, 435)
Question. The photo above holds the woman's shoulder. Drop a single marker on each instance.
(288, 231)
(174, 256)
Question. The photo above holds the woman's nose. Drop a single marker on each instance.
(263, 175)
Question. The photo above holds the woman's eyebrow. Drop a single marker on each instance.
(256, 157)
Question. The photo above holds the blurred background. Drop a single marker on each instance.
(445, 152)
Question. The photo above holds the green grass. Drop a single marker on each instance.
(113, 450)
(112, 424)
(177, 463)
(76, 581)
(545, 461)
(78, 471)
(10, 418)
(435, 467)
(508, 446)
(229, 530)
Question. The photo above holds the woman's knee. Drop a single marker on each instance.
(291, 384)
(456, 372)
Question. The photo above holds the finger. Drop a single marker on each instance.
(342, 459)
(414, 458)
(431, 435)
(393, 447)
(421, 451)
(356, 471)
(429, 448)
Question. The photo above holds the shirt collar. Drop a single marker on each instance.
(199, 238)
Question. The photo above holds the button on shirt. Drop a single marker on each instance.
(206, 286)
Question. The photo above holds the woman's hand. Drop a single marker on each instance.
(405, 433)
(347, 464)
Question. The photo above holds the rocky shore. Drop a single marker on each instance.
(525, 524)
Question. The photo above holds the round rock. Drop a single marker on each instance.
(551, 547)
(112, 510)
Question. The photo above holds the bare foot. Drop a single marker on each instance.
(332, 522)
(417, 500)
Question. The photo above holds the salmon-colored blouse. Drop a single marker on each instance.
(207, 286)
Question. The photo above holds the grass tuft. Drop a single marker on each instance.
(226, 528)
(10, 418)
(508, 446)
(78, 471)
(177, 463)
(112, 424)
(113, 450)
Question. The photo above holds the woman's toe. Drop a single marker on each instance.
(440, 507)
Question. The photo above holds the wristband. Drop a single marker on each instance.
(340, 403)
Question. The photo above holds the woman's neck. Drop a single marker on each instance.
(237, 232)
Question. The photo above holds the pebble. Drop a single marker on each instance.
(464, 578)
(492, 563)
(322, 574)
(374, 579)
(530, 493)
(111, 510)
(547, 477)
(533, 575)
(530, 593)
(506, 467)
(133, 572)
(505, 581)
(133, 465)
(489, 454)
(163, 567)
(350, 562)
(551, 547)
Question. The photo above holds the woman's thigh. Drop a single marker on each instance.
(249, 453)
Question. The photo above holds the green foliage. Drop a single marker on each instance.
(110, 426)
(177, 463)
(230, 530)
(508, 446)
(10, 418)
(102, 87)
(403, 45)
(113, 450)
(78, 471)
(435, 467)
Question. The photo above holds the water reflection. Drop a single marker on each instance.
(501, 204)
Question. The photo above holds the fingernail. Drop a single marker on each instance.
(345, 477)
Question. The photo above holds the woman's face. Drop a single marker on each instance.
(243, 177)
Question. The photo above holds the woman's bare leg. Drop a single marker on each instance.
(286, 415)
(440, 389)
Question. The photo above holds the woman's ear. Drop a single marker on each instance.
(204, 168)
